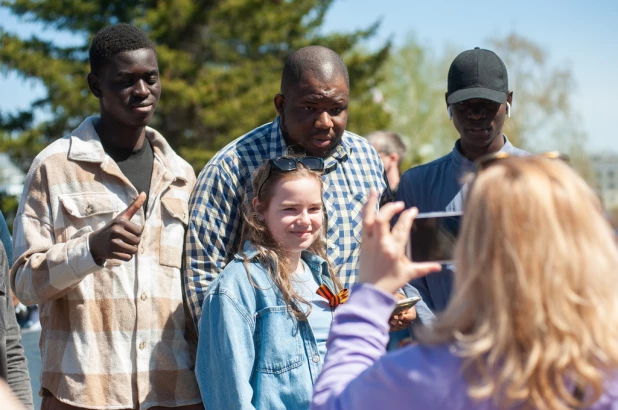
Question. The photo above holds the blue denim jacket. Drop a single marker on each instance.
(252, 353)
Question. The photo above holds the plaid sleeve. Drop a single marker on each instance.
(214, 228)
(45, 269)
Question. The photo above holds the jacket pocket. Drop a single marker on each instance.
(83, 213)
(174, 218)
(279, 346)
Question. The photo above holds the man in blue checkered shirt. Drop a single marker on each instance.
(313, 112)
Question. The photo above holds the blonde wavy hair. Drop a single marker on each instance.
(270, 253)
(534, 310)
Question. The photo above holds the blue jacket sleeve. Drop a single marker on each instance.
(225, 353)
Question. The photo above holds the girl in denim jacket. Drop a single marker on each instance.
(266, 317)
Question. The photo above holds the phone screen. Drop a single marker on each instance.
(433, 237)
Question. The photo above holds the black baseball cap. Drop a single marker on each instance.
(477, 73)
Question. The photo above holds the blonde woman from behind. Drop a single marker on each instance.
(533, 321)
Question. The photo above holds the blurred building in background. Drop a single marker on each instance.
(605, 168)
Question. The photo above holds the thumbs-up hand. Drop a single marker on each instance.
(120, 238)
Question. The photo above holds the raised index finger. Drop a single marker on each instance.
(134, 207)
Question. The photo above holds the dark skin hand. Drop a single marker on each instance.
(120, 238)
(404, 319)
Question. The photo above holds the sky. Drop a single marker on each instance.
(582, 36)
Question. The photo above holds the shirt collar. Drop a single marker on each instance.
(464, 165)
(277, 147)
(86, 146)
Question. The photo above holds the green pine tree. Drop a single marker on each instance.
(220, 65)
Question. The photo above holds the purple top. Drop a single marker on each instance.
(359, 375)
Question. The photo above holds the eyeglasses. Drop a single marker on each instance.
(287, 164)
(487, 160)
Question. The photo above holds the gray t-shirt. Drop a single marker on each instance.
(135, 165)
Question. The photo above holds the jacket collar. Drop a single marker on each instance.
(464, 165)
(318, 266)
(86, 146)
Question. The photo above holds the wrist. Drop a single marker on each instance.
(371, 285)
(387, 286)
(97, 259)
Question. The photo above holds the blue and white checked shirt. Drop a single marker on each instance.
(352, 169)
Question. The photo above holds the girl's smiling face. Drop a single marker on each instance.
(294, 215)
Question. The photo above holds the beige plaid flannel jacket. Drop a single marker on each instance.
(113, 337)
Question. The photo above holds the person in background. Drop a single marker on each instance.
(27, 316)
(392, 150)
(99, 238)
(266, 307)
(5, 238)
(13, 365)
(533, 320)
(478, 101)
(312, 112)
(7, 243)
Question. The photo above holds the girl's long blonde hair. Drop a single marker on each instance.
(271, 254)
(534, 310)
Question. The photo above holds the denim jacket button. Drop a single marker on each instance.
(315, 358)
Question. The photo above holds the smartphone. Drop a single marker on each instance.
(433, 237)
(405, 304)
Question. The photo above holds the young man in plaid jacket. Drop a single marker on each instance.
(98, 241)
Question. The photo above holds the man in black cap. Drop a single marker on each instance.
(478, 101)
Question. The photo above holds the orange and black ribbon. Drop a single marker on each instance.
(333, 300)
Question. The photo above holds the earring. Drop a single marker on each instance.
(508, 109)
(257, 216)
(450, 113)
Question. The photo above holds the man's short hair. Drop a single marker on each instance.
(387, 142)
(314, 60)
(115, 39)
